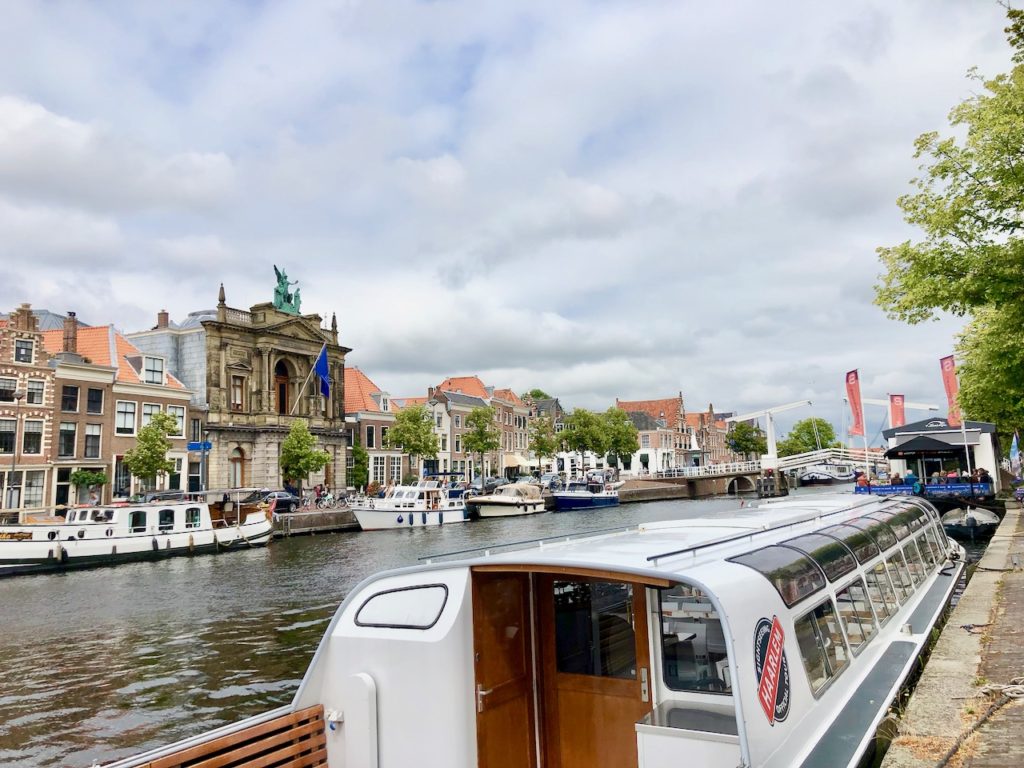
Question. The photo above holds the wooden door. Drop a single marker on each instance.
(504, 670)
(595, 670)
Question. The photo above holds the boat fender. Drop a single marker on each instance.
(51, 535)
(167, 544)
(63, 554)
(191, 543)
(113, 550)
(156, 545)
(110, 531)
(424, 517)
(399, 520)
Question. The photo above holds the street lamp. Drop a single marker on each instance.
(18, 394)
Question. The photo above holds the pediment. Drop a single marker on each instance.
(239, 366)
(296, 328)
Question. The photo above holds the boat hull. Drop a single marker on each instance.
(566, 502)
(515, 509)
(388, 519)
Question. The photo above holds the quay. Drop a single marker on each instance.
(981, 645)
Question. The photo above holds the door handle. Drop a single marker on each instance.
(480, 694)
(645, 689)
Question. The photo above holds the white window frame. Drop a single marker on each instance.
(28, 391)
(178, 412)
(74, 439)
(117, 416)
(145, 418)
(31, 350)
(148, 369)
(103, 401)
(99, 446)
(24, 432)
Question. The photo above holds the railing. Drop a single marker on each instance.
(710, 470)
(239, 316)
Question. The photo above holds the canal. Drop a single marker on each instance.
(105, 663)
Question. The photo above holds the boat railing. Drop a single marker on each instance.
(540, 542)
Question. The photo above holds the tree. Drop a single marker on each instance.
(746, 439)
(299, 455)
(535, 395)
(585, 431)
(148, 458)
(991, 359)
(808, 435)
(621, 434)
(360, 474)
(86, 478)
(543, 440)
(483, 436)
(413, 433)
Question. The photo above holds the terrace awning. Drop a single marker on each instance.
(920, 446)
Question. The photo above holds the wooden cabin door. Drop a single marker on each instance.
(503, 660)
(595, 667)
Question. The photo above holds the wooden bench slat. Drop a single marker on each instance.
(283, 757)
(310, 733)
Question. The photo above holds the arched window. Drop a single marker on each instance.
(237, 474)
(281, 387)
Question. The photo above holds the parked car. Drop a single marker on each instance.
(286, 502)
(551, 481)
(488, 485)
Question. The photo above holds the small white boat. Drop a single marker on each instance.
(427, 503)
(970, 523)
(509, 500)
(585, 494)
(110, 534)
(826, 473)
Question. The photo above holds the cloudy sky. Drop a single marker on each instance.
(601, 199)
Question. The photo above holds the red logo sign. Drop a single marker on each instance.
(772, 669)
(853, 395)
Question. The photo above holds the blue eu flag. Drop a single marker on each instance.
(320, 367)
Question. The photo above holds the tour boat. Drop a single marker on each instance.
(428, 502)
(508, 501)
(970, 523)
(115, 533)
(585, 494)
(774, 637)
(826, 474)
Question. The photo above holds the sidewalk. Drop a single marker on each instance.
(946, 703)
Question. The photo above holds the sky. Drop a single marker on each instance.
(600, 199)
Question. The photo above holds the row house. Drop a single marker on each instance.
(513, 418)
(666, 439)
(369, 411)
(450, 411)
(712, 436)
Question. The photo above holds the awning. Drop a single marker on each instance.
(920, 446)
(514, 460)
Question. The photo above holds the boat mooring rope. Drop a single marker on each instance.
(1008, 692)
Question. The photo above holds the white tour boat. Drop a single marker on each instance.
(428, 502)
(826, 473)
(509, 500)
(773, 638)
(116, 533)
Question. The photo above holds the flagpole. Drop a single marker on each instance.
(302, 389)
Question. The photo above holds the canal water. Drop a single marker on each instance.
(105, 663)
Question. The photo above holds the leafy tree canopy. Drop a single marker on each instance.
(808, 435)
(620, 432)
(543, 441)
(413, 432)
(535, 394)
(299, 455)
(360, 474)
(149, 456)
(86, 478)
(483, 435)
(991, 362)
(585, 431)
(747, 439)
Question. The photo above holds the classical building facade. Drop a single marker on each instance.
(253, 375)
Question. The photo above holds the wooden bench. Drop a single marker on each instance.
(294, 740)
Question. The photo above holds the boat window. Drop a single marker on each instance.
(793, 575)
(914, 516)
(822, 646)
(594, 632)
(692, 642)
(883, 598)
(915, 562)
(192, 517)
(137, 521)
(862, 545)
(927, 550)
(900, 576)
(166, 519)
(855, 612)
(937, 537)
(880, 532)
(416, 607)
(833, 557)
(895, 522)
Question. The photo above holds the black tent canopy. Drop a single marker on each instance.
(923, 446)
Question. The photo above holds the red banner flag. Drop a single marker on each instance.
(949, 381)
(853, 395)
(896, 411)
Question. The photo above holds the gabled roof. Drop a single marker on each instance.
(467, 385)
(359, 392)
(398, 403)
(642, 421)
(666, 409)
(103, 345)
(508, 396)
(460, 399)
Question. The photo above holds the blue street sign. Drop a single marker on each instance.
(203, 446)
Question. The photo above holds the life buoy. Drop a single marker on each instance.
(607, 486)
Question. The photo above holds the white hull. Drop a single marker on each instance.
(510, 508)
(384, 519)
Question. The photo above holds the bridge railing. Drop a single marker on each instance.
(710, 470)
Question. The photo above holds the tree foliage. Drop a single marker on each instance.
(535, 394)
(413, 432)
(585, 431)
(991, 364)
(299, 454)
(360, 474)
(747, 439)
(808, 435)
(87, 478)
(483, 435)
(543, 440)
(149, 456)
(620, 432)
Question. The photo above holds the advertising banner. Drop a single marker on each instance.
(952, 386)
(853, 395)
(896, 410)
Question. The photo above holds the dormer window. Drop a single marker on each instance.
(153, 370)
(22, 351)
(384, 404)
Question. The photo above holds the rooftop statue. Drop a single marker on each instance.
(285, 300)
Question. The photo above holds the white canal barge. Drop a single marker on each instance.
(774, 638)
(110, 534)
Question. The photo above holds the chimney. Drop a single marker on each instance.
(430, 392)
(70, 333)
(162, 319)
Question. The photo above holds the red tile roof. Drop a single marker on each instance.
(667, 409)
(359, 391)
(467, 385)
(95, 342)
(508, 396)
(398, 403)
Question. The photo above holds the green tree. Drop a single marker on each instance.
(413, 433)
(483, 436)
(299, 454)
(747, 440)
(991, 362)
(585, 431)
(808, 435)
(148, 458)
(543, 440)
(535, 394)
(360, 474)
(621, 434)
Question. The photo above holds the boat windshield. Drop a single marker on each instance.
(862, 545)
(794, 575)
(693, 642)
(832, 555)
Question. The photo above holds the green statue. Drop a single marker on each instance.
(286, 300)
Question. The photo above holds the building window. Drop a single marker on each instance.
(32, 437)
(93, 433)
(125, 424)
(35, 393)
(396, 469)
(237, 479)
(94, 401)
(7, 435)
(645, 441)
(153, 372)
(371, 441)
(379, 469)
(66, 441)
(34, 487)
(69, 399)
(237, 393)
(148, 410)
(458, 443)
(7, 389)
(122, 477)
(23, 351)
(384, 437)
(437, 417)
(63, 486)
(197, 430)
(444, 442)
(458, 420)
(385, 405)
(178, 412)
